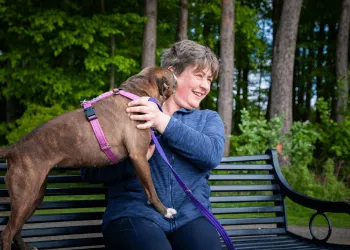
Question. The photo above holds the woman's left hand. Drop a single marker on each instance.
(150, 114)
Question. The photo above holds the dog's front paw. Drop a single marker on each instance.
(169, 213)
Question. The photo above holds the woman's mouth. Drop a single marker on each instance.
(199, 94)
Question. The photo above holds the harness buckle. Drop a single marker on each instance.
(116, 91)
(90, 113)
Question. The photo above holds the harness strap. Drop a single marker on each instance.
(92, 118)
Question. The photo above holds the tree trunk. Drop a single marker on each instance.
(342, 61)
(112, 41)
(150, 34)
(308, 93)
(183, 21)
(238, 102)
(319, 64)
(330, 80)
(276, 16)
(227, 68)
(296, 80)
(283, 63)
(112, 76)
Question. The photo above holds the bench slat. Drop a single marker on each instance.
(260, 238)
(264, 157)
(83, 216)
(251, 221)
(275, 245)
(67, 191)
(52, 244)
(244, 210)
(222, 188)
(239, 177)
(244, 198)
(55, 231)
(244, 167)
(57, 179)
(262, 231)
(62, 204)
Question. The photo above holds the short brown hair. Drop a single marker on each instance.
(189, 53)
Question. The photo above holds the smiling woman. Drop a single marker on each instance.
(193, 140)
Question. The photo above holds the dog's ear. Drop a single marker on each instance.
(163, 86)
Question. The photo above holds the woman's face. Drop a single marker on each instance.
(193, 86)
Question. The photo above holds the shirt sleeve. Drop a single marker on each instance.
(108, 174)
(204, 148)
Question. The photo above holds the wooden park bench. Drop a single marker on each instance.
(248, 197)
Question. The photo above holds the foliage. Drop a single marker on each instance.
(32, 118)
(256, 135)
(299, 144)
(56, 54)
(335, 136)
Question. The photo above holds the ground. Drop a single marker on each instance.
(339, 235)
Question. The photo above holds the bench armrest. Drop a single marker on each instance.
(320, 206)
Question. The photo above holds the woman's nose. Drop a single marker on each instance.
(205, 85)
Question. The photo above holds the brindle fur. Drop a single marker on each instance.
(69, 140)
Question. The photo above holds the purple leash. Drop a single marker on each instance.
(203, 210)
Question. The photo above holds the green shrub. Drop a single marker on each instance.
(299, 144)
(34, 116)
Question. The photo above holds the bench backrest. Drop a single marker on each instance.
(71, 209)
(245, 197)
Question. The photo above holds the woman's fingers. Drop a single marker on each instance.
(144, 125)
(141, 101)
(147, 112)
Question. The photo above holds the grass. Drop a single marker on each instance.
(300, 216)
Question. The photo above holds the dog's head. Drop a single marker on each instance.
(164, 78)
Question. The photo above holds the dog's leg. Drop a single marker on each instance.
(143, 173)
(23, 188)
(18, 240)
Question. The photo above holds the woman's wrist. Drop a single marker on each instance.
(162, 122)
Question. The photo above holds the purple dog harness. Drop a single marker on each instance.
(106, 148)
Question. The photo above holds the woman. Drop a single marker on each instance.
(193, 141)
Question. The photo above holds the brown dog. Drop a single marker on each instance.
(69, 140)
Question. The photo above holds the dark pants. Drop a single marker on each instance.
(142, 234)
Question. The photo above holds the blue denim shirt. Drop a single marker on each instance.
(193, 142)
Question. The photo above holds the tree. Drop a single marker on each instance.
(112, 40)
(283, 63)
(342, 61)
(183, 21)
(227, 68)
(150, 34)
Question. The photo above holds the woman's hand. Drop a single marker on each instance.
(150, 114)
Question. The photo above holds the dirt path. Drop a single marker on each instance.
(339, 235)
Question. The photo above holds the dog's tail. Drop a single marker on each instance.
(4, 153)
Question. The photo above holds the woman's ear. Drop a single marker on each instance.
(171, 68)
